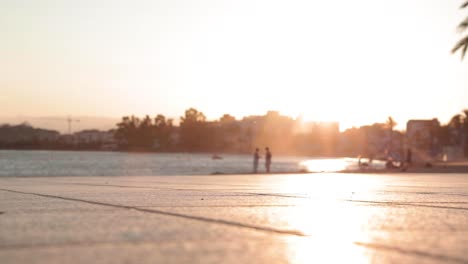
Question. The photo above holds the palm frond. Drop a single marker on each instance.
(464, 50)
(463, 25)
(465, 111)
(463, 45)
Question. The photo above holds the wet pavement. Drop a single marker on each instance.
(307, 218)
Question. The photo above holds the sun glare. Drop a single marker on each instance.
(334, 234)
(324, 165)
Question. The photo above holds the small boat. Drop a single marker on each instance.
(216, 157)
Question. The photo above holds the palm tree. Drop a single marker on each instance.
(193, 130)
(390, 125)
(462, 44)
(459, 125)
(465, 131)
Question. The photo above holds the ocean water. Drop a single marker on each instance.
(88, 163)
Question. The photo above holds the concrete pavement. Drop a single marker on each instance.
(306, 218)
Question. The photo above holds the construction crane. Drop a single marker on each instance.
(70, 121)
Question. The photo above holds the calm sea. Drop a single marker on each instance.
(83, 163)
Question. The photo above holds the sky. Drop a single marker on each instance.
(356, 62)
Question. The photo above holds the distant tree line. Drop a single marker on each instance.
(282, 134)
(195, 133)
(455, 132)
(24, 136)
(133, 133)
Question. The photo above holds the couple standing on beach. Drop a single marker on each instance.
(267, 159)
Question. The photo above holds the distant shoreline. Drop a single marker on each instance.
(436, 167)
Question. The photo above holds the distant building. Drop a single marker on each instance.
(271, 130)
(383, 141)
(250, 130)
(229, 135)
(44, 135)
(93, 137)
(422, 139)
(66, 139)
(316, 138)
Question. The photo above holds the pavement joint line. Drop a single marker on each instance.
(187, 183)
(406, 204)
(436, 203)
(221, 206)
(110, 185)
(284, 195)
(280, 195)
(431, 193)
(416, 186)
(129, 186)
(154, 211)
(270, 194)
(411, 252)
(176, 189)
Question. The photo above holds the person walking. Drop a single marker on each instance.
(256, 157)
(267, 159)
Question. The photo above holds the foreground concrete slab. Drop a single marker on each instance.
(306, 218)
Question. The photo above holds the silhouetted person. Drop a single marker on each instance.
(267, 160)
(371, 158)
(256, 157)
(409, 156)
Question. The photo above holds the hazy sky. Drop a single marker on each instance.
(351, 61)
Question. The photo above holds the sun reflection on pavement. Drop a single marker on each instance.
(331, 224)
